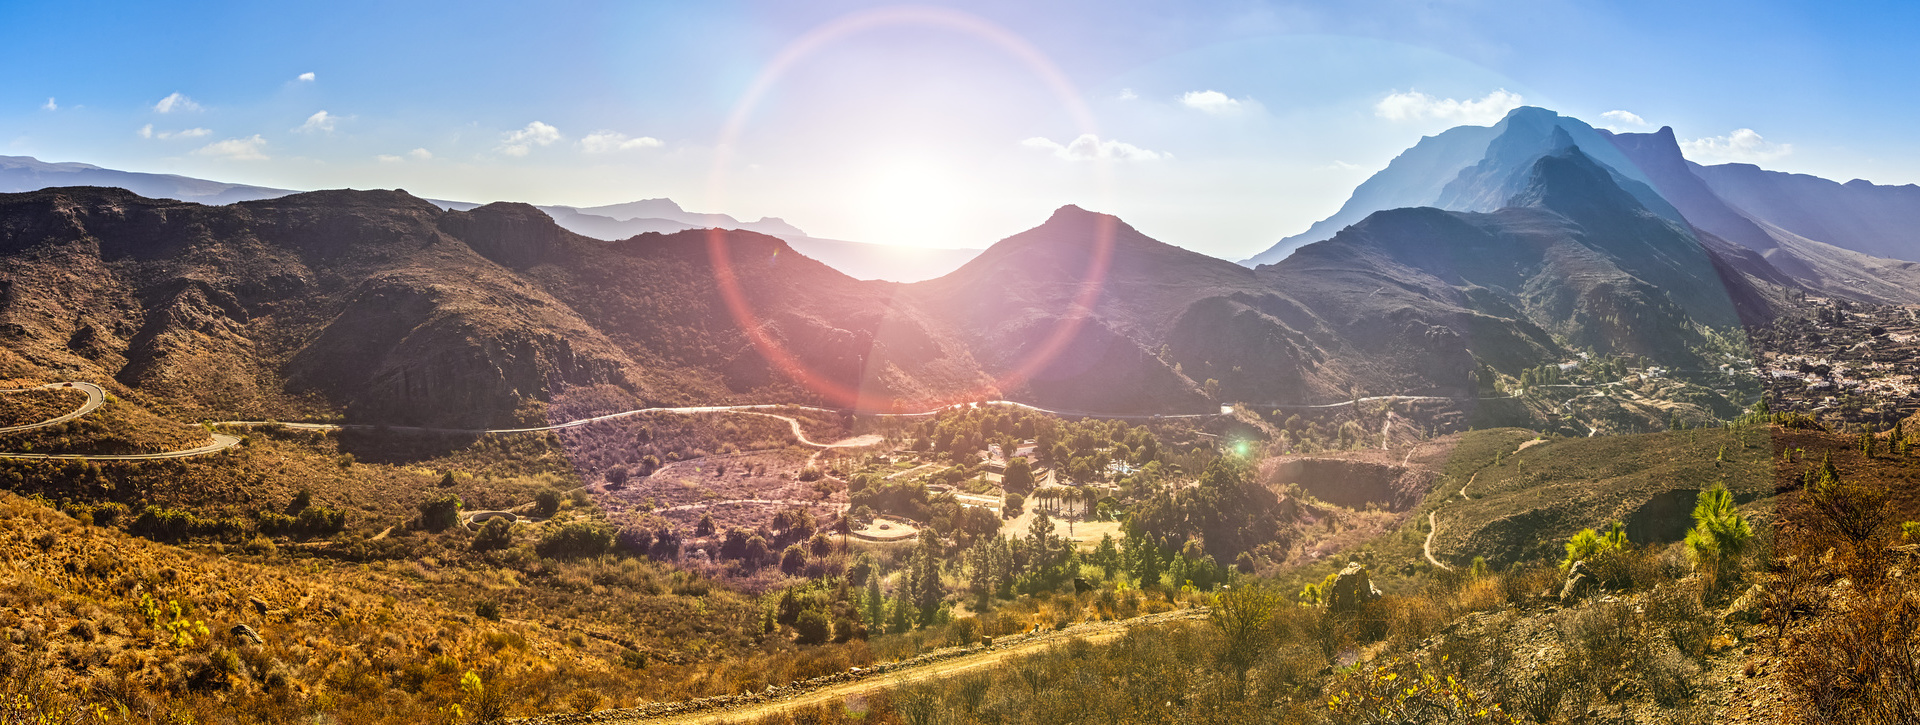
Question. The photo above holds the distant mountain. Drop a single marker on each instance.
(25, 173)
(1814, 265)
(1470, 168)
(608, 223)
(1882, 221)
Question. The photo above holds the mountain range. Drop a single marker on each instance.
(1807, 225)
(1557, 239)
(611, 222)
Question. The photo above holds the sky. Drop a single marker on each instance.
(1219, 126)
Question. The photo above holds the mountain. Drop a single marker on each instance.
(383, 306)
(1881, 221)
(857, 259)
(1572, 259)
(25, 173)
(1796, 260)
(1468, 168)
(608, 223)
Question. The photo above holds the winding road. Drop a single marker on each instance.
(95, 398)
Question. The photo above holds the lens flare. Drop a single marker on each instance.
(718, 251)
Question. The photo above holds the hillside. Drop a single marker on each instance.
(381, 306)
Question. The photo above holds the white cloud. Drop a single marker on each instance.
(518, 143)
(1211, 102)
(1417, 106)
(238, 149)
(1339, 165)
(416, 155)
(148, 132)
(1126, 94)
(307, 77)
(50, 105)
(176, 102)
(1089, 147)
(600, 142)
(1743, 145)
(1624, 119)
(321, 122)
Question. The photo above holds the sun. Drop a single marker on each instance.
(913, 201)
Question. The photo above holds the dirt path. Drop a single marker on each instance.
(765, 501)
(774, 701)
(1433, 527)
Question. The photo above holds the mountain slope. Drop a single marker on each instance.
(385, 307)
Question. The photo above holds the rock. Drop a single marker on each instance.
(259, 605)
(1748, 608)
(1352, 589)
(241, 631)
(1580, 583)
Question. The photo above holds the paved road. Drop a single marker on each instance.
(95, 398)
(221, 442)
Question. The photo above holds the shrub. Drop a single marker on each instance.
(546, 503)
(575, 539)
(1590, 546)
(487, 609)
(319, 521)
(497, 533)
(440, 512)
(1720, 535)
(1849, 510)
(812, 627)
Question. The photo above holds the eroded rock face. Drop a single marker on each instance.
(1352, 589)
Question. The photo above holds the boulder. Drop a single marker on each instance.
(1352, 589)
(241, 631)
(1580, 583)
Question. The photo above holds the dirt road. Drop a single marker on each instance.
(836, 688)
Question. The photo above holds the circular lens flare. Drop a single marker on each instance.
(1087, 292)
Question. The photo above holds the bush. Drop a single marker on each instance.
(440, 513)
(576, 539)
(316, 521)
(812, 627)
(487, 609)
(497, 533)
(546, 503)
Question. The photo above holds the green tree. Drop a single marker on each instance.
(440, 513)
(546, 503)
(1019, 477)
(1720, 535)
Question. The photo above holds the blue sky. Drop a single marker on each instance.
(1220, 127)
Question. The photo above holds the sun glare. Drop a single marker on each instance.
(911, 201)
